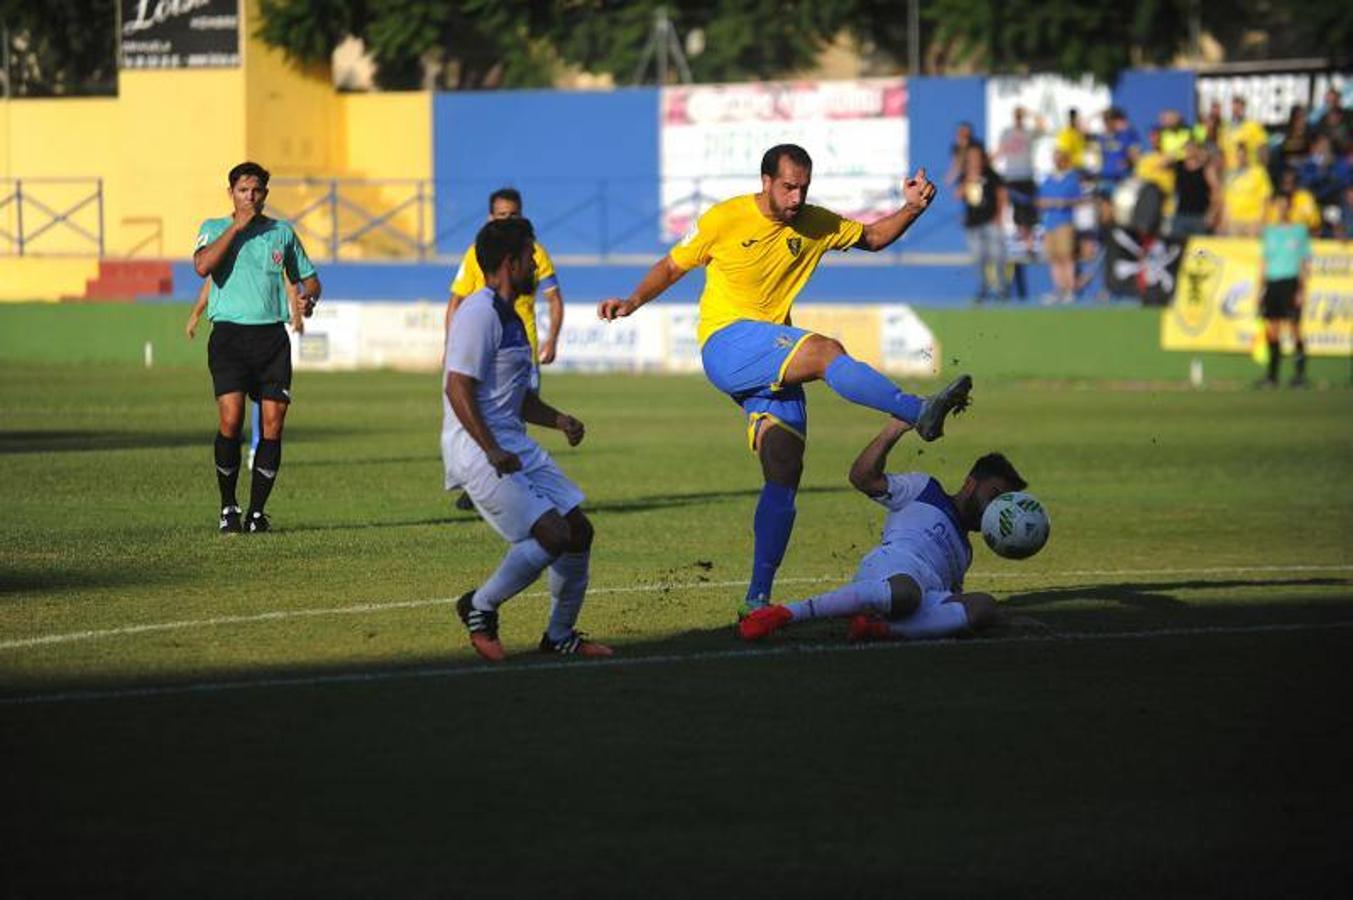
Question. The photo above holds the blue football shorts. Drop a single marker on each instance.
(747, 361)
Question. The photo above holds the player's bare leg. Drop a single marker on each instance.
(230, 419)
(823, 358)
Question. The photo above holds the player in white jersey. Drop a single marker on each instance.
(911, 585)
(487, 402)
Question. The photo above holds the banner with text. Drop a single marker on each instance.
(1270, 96)
(713, 138)
(374, 335)
(180, 34)
(1216, 299)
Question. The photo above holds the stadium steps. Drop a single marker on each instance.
(123, 280)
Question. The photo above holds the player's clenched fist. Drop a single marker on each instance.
(919, 190)
(503, 462)
(613, 309)
(573, 429)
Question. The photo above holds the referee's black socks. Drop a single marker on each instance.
(267, 460)
(227, 468)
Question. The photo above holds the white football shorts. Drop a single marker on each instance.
(884, 561)
(512, 503)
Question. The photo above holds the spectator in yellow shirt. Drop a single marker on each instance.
(1156, 166)
(1071, 140)
(1303, 209)
(1247, 191)
(1244, 133)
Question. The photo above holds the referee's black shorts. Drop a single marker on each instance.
(255, 359)
(1280, 300)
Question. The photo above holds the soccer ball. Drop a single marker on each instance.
(1015, 525)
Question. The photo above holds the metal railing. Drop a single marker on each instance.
(51, 216)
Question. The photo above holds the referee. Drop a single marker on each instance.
(246, 255)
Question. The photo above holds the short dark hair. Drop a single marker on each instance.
(249, 168)
(502, 239)
(512, 195)
(770, 163)
(995, 465)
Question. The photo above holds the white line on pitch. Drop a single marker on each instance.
(357, 609)
(578, 665)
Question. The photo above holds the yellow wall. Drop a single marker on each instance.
(163, 147)
(45, 278)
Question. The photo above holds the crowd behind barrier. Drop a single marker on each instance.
(1117, 200)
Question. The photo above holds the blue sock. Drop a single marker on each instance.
(772, 525)
(862, 384)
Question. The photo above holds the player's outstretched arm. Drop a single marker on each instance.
(460, 392)
(538, 412)
(866, 473)
(549, 347)
(664, 274)
(919, 191)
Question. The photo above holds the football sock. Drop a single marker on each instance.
(937, 621)
(1299, 359)
(857, 597)
(227, 468)
(772, 525)
(568, 584)
(1275, 355)
(863, 384)
(266, 463)
(522, 565)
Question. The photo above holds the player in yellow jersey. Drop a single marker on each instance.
(505, 203)
(759, 250)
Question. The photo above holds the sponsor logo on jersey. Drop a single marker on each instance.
(750, 241)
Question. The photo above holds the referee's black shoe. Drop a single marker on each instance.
(256, 522)
(230, 520)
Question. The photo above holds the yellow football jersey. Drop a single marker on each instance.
(1248, 134)
(470, 278)
(756, 267)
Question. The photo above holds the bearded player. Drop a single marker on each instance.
(760, 250)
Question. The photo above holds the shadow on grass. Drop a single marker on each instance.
(670, 501)
(89, 440)
(1154, 596)
(57, 578)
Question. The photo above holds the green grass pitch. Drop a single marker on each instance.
(298, 714)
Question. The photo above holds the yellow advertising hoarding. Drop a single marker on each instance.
(1216, 298)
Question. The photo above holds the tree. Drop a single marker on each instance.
(60, 48)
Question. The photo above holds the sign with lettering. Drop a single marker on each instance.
(180, 34)
(1270, 96)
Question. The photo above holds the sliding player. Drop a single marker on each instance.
(911, 585)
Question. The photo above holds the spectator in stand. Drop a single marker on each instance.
(1241, 132)
(1302, 208)
(1156, 165)
(958, 152)
(1119, 149)
(1197, 193)
(1209, 129)
(1247, 191)
(1334, 124)
(1333, 100)
(1015, 155)
(1174, 134)
(1326, 176)
(1057, 198)
(984, 202)
(1071, 140)
(1295, 143)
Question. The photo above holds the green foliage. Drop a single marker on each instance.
(60, 48)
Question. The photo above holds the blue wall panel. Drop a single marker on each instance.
(935, 107)
(585, 162)
(1144, 95)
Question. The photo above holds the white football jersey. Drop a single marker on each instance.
(923, 527)
(487, 341)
